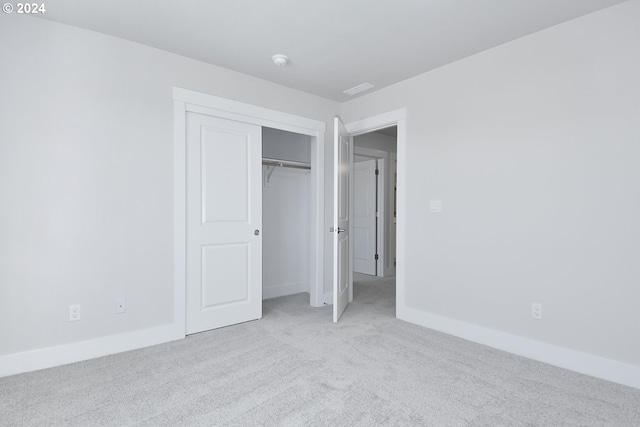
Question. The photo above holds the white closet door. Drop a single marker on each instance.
(224, 221)
(364, 217)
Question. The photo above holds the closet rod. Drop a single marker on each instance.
(285, 163)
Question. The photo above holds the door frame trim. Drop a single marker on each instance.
(185, 101)
(393, 118)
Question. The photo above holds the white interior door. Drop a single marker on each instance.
(342, 150)
(364, 217)
(224, 221)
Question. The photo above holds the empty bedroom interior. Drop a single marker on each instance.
(518, 197)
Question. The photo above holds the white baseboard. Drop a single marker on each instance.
(596, 366)
(328, 298)
(33, 360)
(285, 289)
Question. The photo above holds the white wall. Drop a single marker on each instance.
(283, 145)
(376, 141)
(86, 182)
(285, 216)
(534, 149)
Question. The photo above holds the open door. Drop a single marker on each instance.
(342, 150)
(365, 216)
(224, 221)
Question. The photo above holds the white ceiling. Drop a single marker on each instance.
(333, 45)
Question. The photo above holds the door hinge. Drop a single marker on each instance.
(376, 257)
(377, 171)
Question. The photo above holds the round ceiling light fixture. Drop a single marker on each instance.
(280, 60)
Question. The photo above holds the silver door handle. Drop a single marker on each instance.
(256, 232)
(340, 230)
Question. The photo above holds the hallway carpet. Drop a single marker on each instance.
(295, 367)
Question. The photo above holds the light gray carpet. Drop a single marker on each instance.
(295, 367)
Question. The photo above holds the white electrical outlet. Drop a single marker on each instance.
(536, 311)
(121, 305)
(74, 312)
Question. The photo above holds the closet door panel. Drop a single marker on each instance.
(225, 176)
(224, 222)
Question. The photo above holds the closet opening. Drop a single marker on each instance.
(286, 213)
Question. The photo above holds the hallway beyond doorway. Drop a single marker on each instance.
(379, 292)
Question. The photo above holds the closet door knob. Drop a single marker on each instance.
(256, 232)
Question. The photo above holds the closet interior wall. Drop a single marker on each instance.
(285, 214)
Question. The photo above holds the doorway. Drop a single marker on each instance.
(375, 151)
(374, 213)
(392, 123)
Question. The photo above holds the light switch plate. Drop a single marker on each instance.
(435, 206)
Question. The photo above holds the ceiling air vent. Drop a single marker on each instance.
(358, 89)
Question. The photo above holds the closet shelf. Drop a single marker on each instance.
(285, 163)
